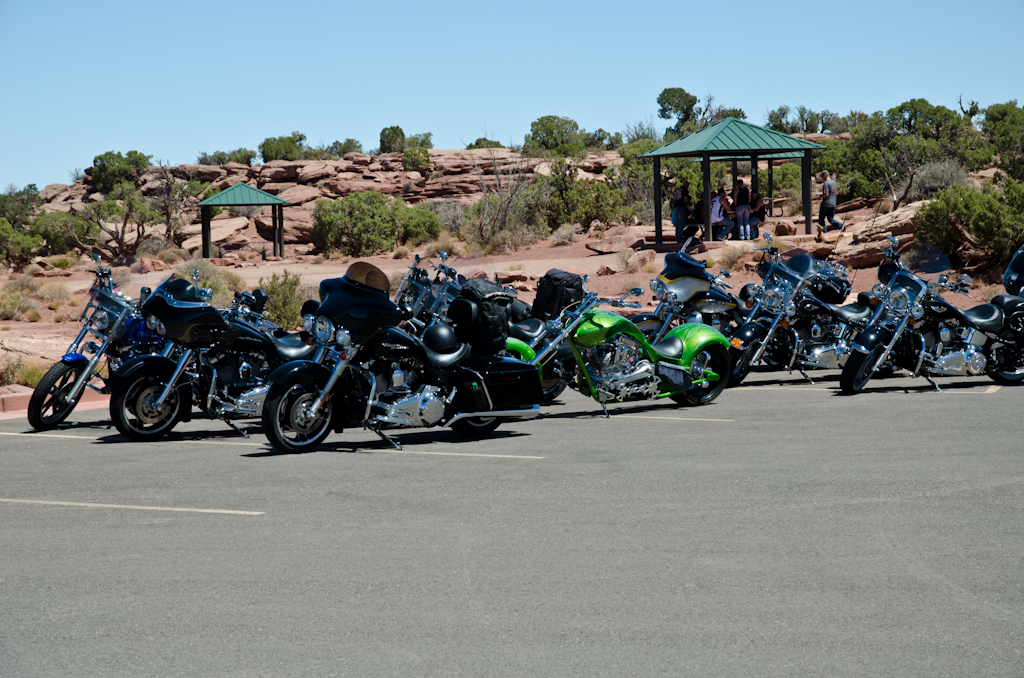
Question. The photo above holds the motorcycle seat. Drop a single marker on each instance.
(1007, 302)
(292, 347)
(526, 330)
(671, 347)
(851, 313)
(444, 361)
(987, 317)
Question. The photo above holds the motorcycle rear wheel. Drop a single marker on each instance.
(476, 427)
(287, 425)
(857, 371)
(717, 361)
(132, 411)
(1007, 377)
(47, 407)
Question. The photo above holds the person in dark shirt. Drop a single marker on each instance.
(829, 191)
(741, 205)
(757, 211)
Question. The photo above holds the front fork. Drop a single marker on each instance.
(892, 342)
(767, 339)
(183, 359)
(87, 373)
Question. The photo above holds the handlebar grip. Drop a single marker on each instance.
(726, 285)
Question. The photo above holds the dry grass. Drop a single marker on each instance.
(33, 316)
(515, 267)
(173, 255)
(445, 242)
(395, 279)
(564, 235)
(52, 292)
(627, 284)
(401, 252)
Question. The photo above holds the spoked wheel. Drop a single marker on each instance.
(476, 427)
(649, 327)
(857, 371)
(740, 365)
(287, 421)
(1007, 377)
(713, 358)
(48, 408)
(132, 407)
(551, 383)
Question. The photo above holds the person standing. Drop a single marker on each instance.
(829, 191)
(681, 210)
(741, 203)
(719, 220)
(757, 211)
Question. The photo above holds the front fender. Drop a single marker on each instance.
(871, 337)
(746, 334)
(309, 371)
(74, 359)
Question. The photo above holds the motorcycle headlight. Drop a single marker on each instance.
(101, 320)
(878, 290)
(343, 337)
(772, 298)
(323, 330)
(308, 321)
(790, 309)
(917, 311)
(899, 300)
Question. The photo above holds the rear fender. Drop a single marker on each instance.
(696, 337)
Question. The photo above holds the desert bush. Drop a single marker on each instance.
(938, 174)
(223, 282)
(795, 197)
(728, 256)
(14, 305)
(415, 159)
(173, 255)
(401, 252)
(15, 244)
(10, 369)
(51, 292)
(62, 231)
(556, 135)
(247, 211)
(580, 202)
(508, 218)
(392, 139)
(284, 298)
(18, 206)
(417, 225)
(628, 283)
(62, 263)
(282, 148)
(112, 168)
(30, 373)
(449, 212)
(564, 235)
(22, 284)
(995, 219)
(239, 155)
(33, 316)
(483, 142)
(359, 225)
(446, 243)
(150, 247)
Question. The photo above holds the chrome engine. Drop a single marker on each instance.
(971, 360)
(424, 407)
(620, 372)
(238, 387)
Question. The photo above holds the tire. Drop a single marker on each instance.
(717, 359)
(649, 328)
(740, 365)
(551, 383)
(476, 427)
(857, 371)
(1006, 377)
(131, 407)
(46, 408)
(286, 425)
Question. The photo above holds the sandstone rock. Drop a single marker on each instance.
(612, 244)
(606, 270)
(220, 231)
(297, 222)
(357, 158)
(509, 276)
(274, 188)
(53, 193)
(279, 170)
(865, 254)
(153, 264)
(300, 194)
(521, 287)
(229, 181)
(56, 207)
(784, 228)
(642, 258)
(316, 171)
(96, 197)
(209, 173)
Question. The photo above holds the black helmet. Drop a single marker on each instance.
(440, 338)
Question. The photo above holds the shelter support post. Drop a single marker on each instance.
(657, 200)
(205, 215)
(735, 179)
(705, 170)
(805, 177)
(753, 173)
(771, 190)
(280, 230)
(273, 229)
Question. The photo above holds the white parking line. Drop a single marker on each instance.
(129, 506)
(259, 444)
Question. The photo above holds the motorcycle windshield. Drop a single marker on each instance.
(922, 263)
(1013, 279)
(680, 265)
(359, 301)
(179, 289)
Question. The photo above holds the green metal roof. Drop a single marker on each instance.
(240, 195)
(730, 137)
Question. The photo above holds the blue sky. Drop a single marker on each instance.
(176, 78)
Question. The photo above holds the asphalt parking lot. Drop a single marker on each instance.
(783, 530)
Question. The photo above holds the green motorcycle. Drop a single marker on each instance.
(615, 362)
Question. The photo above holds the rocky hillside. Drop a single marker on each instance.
(454, 175)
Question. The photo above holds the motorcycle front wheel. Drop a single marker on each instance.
(857, 371)
(47, 407)
(287, 422)
(716, 359)
(740, 365)
(132, 410)
(476, 427)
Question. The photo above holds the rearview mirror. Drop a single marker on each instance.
(767, 238)
(965, 279)
(635, 292)
(893, 242)
(443, 255)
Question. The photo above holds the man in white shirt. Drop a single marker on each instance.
(719, 221)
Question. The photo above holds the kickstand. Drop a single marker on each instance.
(805, 376)
(386, 438)
(228, 422)
(930, 381)
(605, 408)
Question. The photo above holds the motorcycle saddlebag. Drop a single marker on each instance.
(512, 384)
(556, 290)
(487, 329)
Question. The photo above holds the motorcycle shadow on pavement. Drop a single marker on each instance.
(370, 445)
(663, 406)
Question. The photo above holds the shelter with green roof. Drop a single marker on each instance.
(733, 139)
(243, 195)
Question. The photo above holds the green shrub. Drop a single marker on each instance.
(418, 225)
(580, 202)
(33, 316)
(111, 169)
(14, 305)
(222, 281)
(284, 298)
(934, 175)
(282, 148)
(239, 155)
(62, 263)
(484, 142)
(392, 139)
(62, 231)
(340, 148)
(1004, 127)
(18, 206)
(449, 212)
(415, 160)
(358, 225)
(556, 135)
(15, 244)
(209, 193)
(509, 218)
(995, 219)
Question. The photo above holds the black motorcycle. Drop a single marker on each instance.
(915, 329)
(367, 372)
(223, 361)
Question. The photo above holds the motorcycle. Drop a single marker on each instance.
(368, 372)
(915, 329)
(616, 362)
(223, 361)
(687, 293)
(110, 318)
(789, 314)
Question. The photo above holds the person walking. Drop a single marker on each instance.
(721, 225)
(829, 191)
(741, 202)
